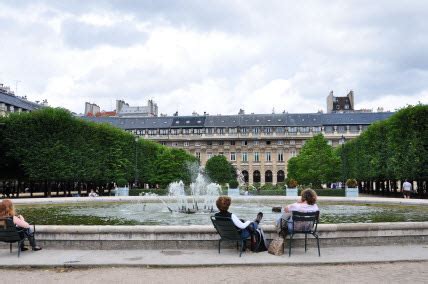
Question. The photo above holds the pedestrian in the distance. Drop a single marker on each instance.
(407, 189)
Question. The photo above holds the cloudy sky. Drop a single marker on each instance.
(216, 56)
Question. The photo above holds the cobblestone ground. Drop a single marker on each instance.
(410, 272)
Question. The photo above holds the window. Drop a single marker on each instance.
(186, 143)
(316, 129)
(232, 131)
(329, 142)
(163, 131)
(256, 130)
(210, 130)
(244, 143)
(232, 143)
(198, 144)
(304, 129)
(174, 144)
(256, 157)
(244, 130)
(268, 157)
(209, 155)
(268, 130)
(244, 157)
(268, 142)
(293, 153)
(209, 143)
(280, 157)
(292, 129)
(280, 142)
(232, 156)
(221, 143)
(255, 143)
(292, 142)
(341, 129)
(198, 131)
(198, 155)
(220, 130)
(280, 130)
(328, 129)
(163, 143)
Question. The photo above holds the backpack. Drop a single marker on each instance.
(258, 241)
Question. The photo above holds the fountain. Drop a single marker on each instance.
(202, 198)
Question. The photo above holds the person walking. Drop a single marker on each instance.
(407, 189)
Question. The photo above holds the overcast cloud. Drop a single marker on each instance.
(216, 56)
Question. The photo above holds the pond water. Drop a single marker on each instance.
(136, 213)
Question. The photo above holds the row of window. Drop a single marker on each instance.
(233, 156)
(231, 143)
(242, 143)
(280, 176)
(244, 131)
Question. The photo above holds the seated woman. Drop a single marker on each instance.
(223, 203)
(7, 210)
(307, 203)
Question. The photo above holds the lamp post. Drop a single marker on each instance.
(342, 141)
(136, 161)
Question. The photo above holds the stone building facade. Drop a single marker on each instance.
(259, 145)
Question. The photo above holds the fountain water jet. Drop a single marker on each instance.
(202, 198)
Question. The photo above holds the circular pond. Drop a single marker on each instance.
(141, 213)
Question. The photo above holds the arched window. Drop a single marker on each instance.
(245, 174)
(268, 176)
(280, 176)
(256, 176)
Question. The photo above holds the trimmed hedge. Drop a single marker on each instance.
(320, 192)
(327, 192)
(137, 191)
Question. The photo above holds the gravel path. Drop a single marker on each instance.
(413, 272)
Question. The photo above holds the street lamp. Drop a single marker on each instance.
(136, 161)
(342, 141)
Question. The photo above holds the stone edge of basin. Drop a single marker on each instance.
(192, 229)
(238, 199)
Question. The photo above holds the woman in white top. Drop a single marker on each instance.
(223, 203)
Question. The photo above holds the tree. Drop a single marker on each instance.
(316, 163)
(51, 145)
(219, 170)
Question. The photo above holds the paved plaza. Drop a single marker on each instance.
(397, 272)
(369, 264)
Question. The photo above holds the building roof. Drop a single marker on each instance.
(246, 120)
(18, 102)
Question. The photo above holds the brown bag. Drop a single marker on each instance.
(276, 246)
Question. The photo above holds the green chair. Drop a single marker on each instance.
(9, 233)
(304, 223)
(228, 232)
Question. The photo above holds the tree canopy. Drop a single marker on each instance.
(53, 145)
(392, 149)
(220, 170)
(317, 163)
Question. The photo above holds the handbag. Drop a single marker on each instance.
(276, 246)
